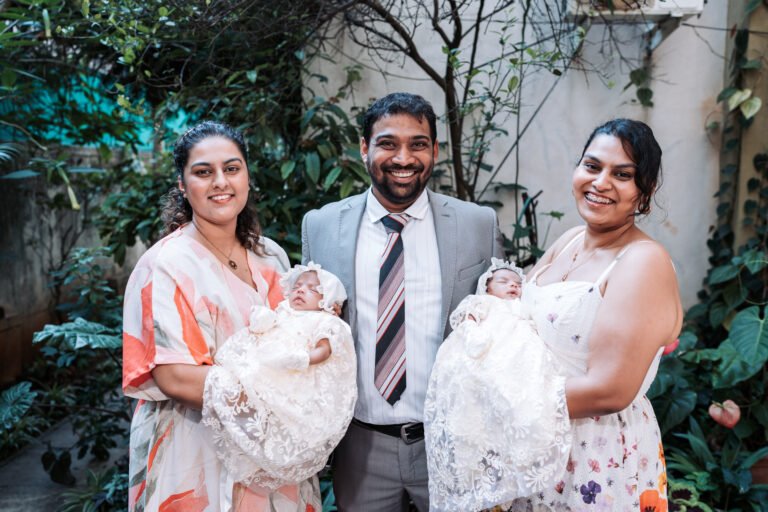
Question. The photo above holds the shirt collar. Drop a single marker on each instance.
(375, 210)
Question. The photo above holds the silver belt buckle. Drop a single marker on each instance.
(404, 434)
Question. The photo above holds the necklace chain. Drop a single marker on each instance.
(232, 264)
(571, 268)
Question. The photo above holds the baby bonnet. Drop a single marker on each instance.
(330, 286)
(496, 264)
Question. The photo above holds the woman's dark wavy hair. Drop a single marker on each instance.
(176, 209)
(641, 147)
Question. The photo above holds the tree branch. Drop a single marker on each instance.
(411, 49)
(436, 22)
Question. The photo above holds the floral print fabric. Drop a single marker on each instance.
(181, 304)
(617, 461)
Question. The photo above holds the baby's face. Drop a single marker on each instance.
(304, 296)
(505, 284)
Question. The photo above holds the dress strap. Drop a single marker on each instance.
(608, 269)
(545, 267)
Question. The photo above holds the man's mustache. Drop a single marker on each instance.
(409, 167)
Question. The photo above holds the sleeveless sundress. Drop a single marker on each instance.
(617, 461)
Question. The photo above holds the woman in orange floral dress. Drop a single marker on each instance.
(189, 293)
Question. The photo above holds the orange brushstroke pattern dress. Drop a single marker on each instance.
(181, 304)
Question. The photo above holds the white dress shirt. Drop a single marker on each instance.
(423, 306)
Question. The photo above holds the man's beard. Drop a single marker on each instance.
(396, 193)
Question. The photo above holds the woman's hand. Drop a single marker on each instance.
(640, 312)
(182, 382)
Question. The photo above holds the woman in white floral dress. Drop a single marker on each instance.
(605, 300)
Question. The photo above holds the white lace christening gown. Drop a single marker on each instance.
(276, 419)
(496, 421)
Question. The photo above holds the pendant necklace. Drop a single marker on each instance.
(571, 268)
(230, 261)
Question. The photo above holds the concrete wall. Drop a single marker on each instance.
(688, 75)
(29, 243)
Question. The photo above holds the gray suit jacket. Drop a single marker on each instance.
(467, 236)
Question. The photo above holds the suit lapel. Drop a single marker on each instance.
(350, 217)
(445, 231)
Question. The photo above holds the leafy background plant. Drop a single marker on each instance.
(723, 349)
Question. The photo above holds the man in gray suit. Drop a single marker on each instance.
(407, 256)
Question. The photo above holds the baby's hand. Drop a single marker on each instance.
(321, 352)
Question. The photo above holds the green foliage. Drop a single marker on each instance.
(14, 403)
(86, 292)
(131, 211)
(326, 492)
(94, 73)
(104, 491)
(79, 374)
(724, 348)
(17, 427)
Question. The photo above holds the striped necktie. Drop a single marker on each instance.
(389, 373)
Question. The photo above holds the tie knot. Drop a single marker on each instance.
(395, 222)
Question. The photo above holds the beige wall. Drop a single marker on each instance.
(688, 75)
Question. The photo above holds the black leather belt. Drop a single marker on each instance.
(408, 432)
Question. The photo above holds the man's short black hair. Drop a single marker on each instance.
(400, 103)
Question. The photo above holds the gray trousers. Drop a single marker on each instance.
(374, 472)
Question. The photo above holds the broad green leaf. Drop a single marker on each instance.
(512, 84)
(287, 168)
(738, 97)
(14, 403)
(739, 478)
(751, 107)
(756, 456)
(312, 166)
(80, 333)
(749, 334)
(755, 260)
(674, 407)
(645, 96)
(732, 368)
(718, 312)
(346, 187)
(726, 93)
(734, 294)
(331, 178)
(18, 175)
(305, 120)
(760, 413)
(722, 273)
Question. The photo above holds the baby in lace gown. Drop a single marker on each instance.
(282, 391)
(489, 438)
